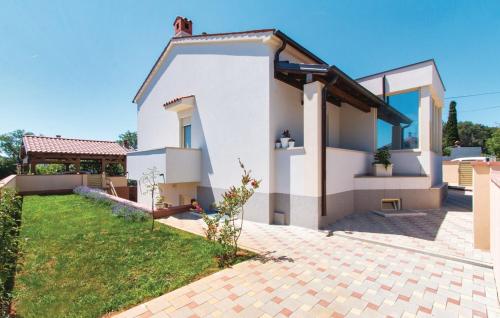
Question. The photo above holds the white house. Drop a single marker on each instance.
(213, 98)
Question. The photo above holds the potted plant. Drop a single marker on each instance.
(160, 202)
(291, 143)
(277, 144)
(285, 137)
(382, 166)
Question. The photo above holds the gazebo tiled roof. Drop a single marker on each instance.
(57, 145)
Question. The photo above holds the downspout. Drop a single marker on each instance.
(277, 54)
(324, 133)
(384, 94)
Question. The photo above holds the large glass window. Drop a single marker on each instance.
(403, 136)
(186, 133)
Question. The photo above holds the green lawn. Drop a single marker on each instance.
(80, 261)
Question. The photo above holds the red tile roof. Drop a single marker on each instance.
(176, 100)
(72, 146)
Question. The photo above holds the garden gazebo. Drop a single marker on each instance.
(57, 150)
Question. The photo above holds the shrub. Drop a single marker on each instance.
(226, 225)
(382, 156)
(127, 212)
(10, 221)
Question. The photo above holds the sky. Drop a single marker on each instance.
(72, 67)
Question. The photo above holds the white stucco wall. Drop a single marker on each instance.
(406, 79)
(410, 162)
(341, 167)
(357, 129)
(290, 171)
(182, 165)
(230, 82)
(140, 161)
(333, 125)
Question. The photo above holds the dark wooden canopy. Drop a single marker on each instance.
(344, 89)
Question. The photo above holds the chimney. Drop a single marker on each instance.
(58, 136)
(183, 27)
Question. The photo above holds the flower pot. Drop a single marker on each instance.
(284, 142)
(291, 144)
(379, 170)
(277, 145)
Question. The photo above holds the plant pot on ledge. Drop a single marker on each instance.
(380, 170)
(382, 166)
(285, 137)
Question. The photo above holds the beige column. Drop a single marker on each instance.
(312, 138)
(396, 136)
(481, 205)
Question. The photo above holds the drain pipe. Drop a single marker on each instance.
(277, 54)
(324, 133)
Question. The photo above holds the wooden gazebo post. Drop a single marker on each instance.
(77, 166)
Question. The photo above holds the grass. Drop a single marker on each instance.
(80, 261)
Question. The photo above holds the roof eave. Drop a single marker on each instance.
(282, 36)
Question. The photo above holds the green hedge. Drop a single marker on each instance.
(10, 221)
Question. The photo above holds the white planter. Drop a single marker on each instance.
(277, 145)
(284, 142)
(291, 144)
(379, 170)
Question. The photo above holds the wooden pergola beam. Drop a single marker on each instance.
(346, 97)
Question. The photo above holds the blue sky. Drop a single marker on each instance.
(73, 67)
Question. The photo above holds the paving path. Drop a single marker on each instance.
(306, 273)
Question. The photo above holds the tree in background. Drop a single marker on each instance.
(450, 135)
(128, 137)
(10, 145)
(493, 144)
(474, 135)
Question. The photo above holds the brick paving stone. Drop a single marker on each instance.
(305, 273)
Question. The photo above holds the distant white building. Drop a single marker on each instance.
(463, 152)
(213, 98)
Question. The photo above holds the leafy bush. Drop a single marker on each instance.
(127, 212)
(10, 221)
(493, 144)
(226, 225)
(382, 156)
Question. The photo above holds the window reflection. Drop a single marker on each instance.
(401, 136)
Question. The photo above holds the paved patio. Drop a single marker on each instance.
(445, 232)
(306, 273)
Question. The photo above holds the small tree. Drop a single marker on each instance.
(150, 181)
(493, 144)
(231, 211)
(129, 139)
(451, 128)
